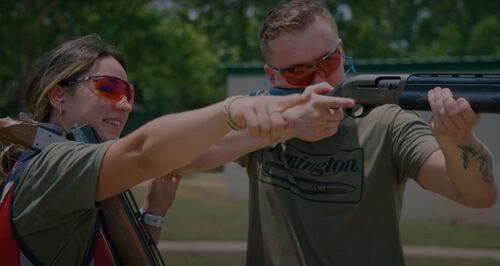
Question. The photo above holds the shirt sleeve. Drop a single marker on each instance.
(58, 186)
(413, 141)
(243, 161)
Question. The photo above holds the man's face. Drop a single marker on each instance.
(311, 51)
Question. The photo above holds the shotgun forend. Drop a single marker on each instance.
(409, 91)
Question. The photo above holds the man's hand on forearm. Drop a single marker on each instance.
(468, 163)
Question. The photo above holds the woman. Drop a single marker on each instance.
(54, 200)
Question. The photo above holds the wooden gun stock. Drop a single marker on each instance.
(17, 132)
(125, 232)
(122, 229)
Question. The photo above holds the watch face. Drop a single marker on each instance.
(152, 220)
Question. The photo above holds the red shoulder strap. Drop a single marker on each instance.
(103, 255)
(9, 250)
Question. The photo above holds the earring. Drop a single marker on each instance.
(60, 112)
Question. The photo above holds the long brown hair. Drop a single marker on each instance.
(68, 60)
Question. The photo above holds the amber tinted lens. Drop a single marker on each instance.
(299, 76)
(330, 64)
(113, 89)
(303, 76)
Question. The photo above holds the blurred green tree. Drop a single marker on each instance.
(169, 60)
(175, 47)
(418, 28)
(232, 26)
(369, 28)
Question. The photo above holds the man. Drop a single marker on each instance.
(336, 199)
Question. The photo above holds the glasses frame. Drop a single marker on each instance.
(71, 82)
(310, 67)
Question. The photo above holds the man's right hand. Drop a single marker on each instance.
(319, 117)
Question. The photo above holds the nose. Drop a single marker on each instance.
(123, 104)
(318, 78)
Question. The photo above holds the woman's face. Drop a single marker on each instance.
(84, 106)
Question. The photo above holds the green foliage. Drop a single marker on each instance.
(486, 32)
(175, 51)
(369, 28)
(418, 28)
(168, 60)
(232, 26)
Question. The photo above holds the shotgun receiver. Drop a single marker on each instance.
(409, 91)
(130, 239)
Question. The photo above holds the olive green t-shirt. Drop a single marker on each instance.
(336, 201)
(54, 208)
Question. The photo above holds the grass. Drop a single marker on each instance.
(204, 258)
(425, 261)
(201, 212)
(238, 259)
(450, 234)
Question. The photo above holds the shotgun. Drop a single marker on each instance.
(409, 91)
(130, 239)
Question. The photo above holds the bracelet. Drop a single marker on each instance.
(152, 220)
(227, 113)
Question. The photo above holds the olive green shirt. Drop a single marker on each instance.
(54, 208)
(336, 201)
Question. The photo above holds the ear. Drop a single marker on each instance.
(56, 97)
(269, 74)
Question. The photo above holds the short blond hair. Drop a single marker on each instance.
(292, 17)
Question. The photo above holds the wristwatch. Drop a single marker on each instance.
(152, 220)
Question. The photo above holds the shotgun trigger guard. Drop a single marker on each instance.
(360, 110)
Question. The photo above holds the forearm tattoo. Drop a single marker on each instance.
(470, 153)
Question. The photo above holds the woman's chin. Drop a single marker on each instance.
(107, 135)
